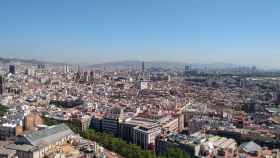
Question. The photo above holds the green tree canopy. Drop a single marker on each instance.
(3, 110)
(128, 150)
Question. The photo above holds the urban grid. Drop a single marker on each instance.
(57, 110)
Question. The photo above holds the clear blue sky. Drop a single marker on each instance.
(235, 31)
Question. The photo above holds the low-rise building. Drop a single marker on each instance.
(198, 145)
(43, 142)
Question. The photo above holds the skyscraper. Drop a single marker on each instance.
(143, 66)
(41, 66)
(86, 76)
(188, 70)
(66, 69)
(12, 69)
(91, 75)
(2, 85)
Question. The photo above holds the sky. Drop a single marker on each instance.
(92, 31)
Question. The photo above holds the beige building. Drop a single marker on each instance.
(32, 120)
(42, 143)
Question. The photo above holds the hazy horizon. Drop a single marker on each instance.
(189, 31)
(218, 65)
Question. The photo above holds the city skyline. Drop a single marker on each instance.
(140, 79)
(238, 32)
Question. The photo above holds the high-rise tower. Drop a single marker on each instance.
(2, 85)
(12, 69)
(143, 66)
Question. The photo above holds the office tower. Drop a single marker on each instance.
(143, 66)
(91, 75)
(254, 69)
(41, 66)
(66, 69)
(78, 69)
(86, 76)
(2, 85)
(188, 70)
(12, 69)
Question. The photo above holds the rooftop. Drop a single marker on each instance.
(49, 135)
(4, 151)
(23, 147)
(143, 122)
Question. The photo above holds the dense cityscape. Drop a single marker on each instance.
(139, 79)
(80, 111)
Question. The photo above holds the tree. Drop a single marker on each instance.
(176, 153)
(128, 150)
(3, 110)
(118, 145)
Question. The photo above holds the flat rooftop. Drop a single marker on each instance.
(221, 142)
(23, 147)
(143, 122)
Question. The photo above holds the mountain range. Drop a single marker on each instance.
(133, 64)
